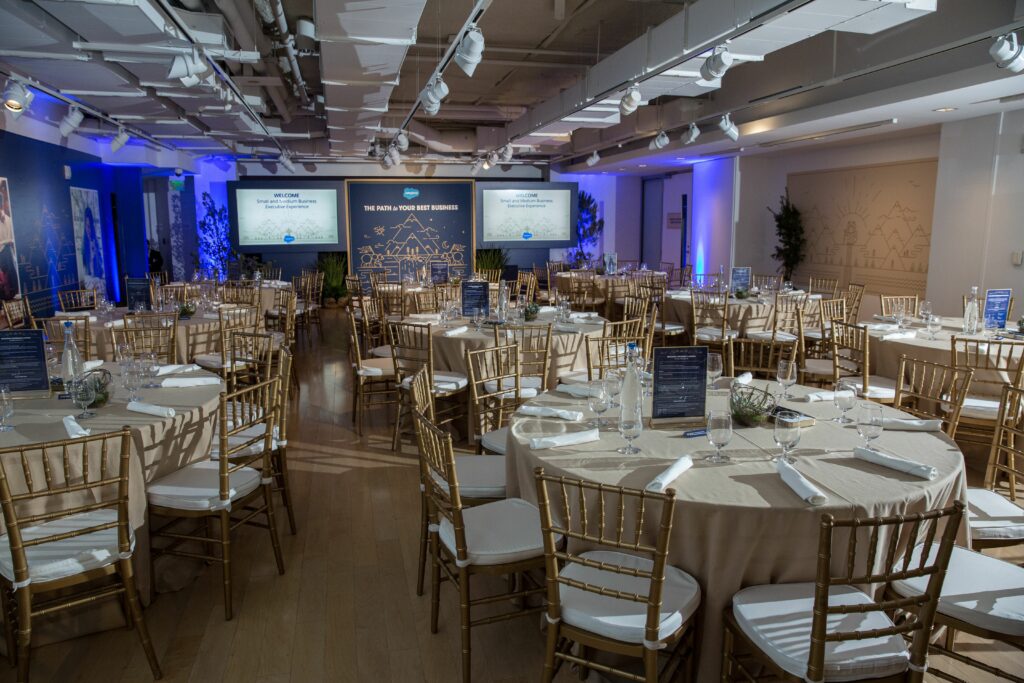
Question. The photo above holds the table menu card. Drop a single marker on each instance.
(24, 368)
(137, 291)
(740, 278)
(611, 263)
(476, 296)
(680, 384)
(997, 308)
(439, 273)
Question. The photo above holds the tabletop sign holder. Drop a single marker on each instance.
(680, 385)
(997, 308)
(137, 291)
(476, 295)
(611, 263)
(439, 273)
(24, 369)
(739, 279)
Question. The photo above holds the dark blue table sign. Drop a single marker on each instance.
(137, 291)
(476, 296)
(439, 273)
(740, 278)
(24, 369)
(997, 308)
(680, 385)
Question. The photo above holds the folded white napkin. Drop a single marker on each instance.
(74, 429)
(583, 316)
(816, 396)
(895, 463)
(212, 316)
(114, 323)
(671, 473)
(807, 491)
(745, 378)
(370, 371)
(565, 439)
(796, 292)
(565, 327)
(90, 365)
(882, 327)
(184, 382)
(150, 409)
(75, 314)
(814, 296)
(577, 390)
(548, 411)
(905, 334)
(174, 369)
(455, 331)
(911, 425)
(434, 317)
(885, 318)
(546, 309)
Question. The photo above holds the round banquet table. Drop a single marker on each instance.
(268, 289)
(745, 315)
(567, 349)
(738, 524)
(193, 336)
(159, 446)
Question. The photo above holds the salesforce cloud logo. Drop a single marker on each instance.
(288, 239)
(410, 193)
(527, 235)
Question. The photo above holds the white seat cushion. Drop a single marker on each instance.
(529, 387)
(978, 408)
(480, 476)
(712, 333)
(497, 533)
(878, 387)
(818, 366)
(495, 441)
(213, 361)
(777, 618)
(443, 382)
(574, 377)
(386, 366)
(980, 590)
(813, 333)
(992, 516)
(669, 328)
(71, 556)
(625, 620)
(381, 351)
(197, 487)
(238, 440)
(766, 335)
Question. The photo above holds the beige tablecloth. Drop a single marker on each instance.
(738, 524)
(745, 315)
(193, 336)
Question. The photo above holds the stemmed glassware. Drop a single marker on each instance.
(719, 432)
(924, 310)
(599, 401)
(149, 368)
(785, 373)
(6, 408)
(131, 378)
(934, 325)
(631, 425)
(787, 434)
(613, 383)
(899, 312)
(83, 393)
(869, 423)
(844, 396)
(714, 368)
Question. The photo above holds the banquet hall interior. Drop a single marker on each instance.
(494, 341)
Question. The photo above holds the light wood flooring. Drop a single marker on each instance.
(346, 609)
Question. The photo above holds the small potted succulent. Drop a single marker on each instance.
(103, 384)
(530, 312)
(741, 294)
(750, 406)
(186, 309)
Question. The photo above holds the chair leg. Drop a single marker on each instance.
(435, 581)
(424, 526)
(268, 500)
(225, 560)
(549, 653)
(286, 492)
(135, 610)
(396, 439)
(24, 632)
(726, 654)
(464, 619)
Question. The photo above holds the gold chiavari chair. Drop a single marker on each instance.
(827, 287)
(373, 327)
(159, 278)
(685, 277)
(634, 307)
(240, 293)
(354, 287)
(605, 354)
(889, 304)
(154, 333)
(850, 357)
(553, 269)
(18, 314)
(766, 282)
(756, 356)
(995, 515)
(661, 329)
(175, 295)
(467, 543)
(525, 290)
(495, 393)
(708, 282)
(69, 540)
(492, 275)
(81, 332)
(230, 320)
(378, 278)
(72, 300)
(995, 362)
(584, 292)
(534, 343)
(392, 300)
(1009, 310)
(830, 629)
(373, 379)
(239, 480)
(280, 320)
(785, 323)
(424, 301)
(669, 268)
(623, 328)
(619, 595)
(412, 348)
(253, 355)
(310, 304)
(932, 391)
(269, 272)
(854, 295)
(818, 325)
(709, 325)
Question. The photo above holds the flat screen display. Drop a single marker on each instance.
(526, 215)
(286, 216)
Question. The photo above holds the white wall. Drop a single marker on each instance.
(619, 199)
(671, 240)
(979, 209)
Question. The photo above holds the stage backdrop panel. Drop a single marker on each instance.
(85, 218)
(398, 226)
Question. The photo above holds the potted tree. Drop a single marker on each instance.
(334, 266)
(789, 227)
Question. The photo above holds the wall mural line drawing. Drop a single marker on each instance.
(869, 225)
(85, 218)
(9, 281)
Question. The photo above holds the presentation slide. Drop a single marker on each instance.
(286, 216)
(527, 215)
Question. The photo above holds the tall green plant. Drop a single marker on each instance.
(334, 267)
(491, 259)
(589, 227)
(789, 227)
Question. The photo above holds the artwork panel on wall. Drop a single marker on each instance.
(870, 225)
(85, 218)
(9, 281)
(401, 226)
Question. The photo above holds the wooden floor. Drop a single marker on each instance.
(346, 609)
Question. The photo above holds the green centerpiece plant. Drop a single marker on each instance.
(750, 406)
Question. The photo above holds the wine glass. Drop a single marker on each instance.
(787, 434)
(150, 367)
(785, 373)
(714, 368)
(719, 431)
(613, 382)
(6, 408)
(83, 393)
(131, 378)
(52, 362)
(631, 425)
(598, 401)
(644, 368)
(845, 399)
(478, 318)
(869, 423)
(924, 310)
(934, 325)
(899, 312)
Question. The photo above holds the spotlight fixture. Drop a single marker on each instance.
(506, 153)
(17, 97)
(630, 101)
(286, 161)
(394, 155)
(402, 141)
(386, 162)
(715, 66)
(120, 140)
(729, 128)
(470, 50)
(486, 165)
(691, 134)
(593, 158)
(492, 158)
(1007, 53)
(433, 94)
(660, 141)
(477, 165)
(71, 121)
(187, 68)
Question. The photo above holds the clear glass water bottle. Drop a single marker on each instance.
(502, 301)
(971, 312)
(71, 359)
(631, 401)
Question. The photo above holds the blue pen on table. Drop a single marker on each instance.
(695, 432)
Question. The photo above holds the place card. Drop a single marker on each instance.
(680, 385)
(439, 273)
(476, 296)
(24, 369)
(740, 279)
(136, 291)
(997, 308)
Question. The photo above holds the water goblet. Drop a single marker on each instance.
(786, 434)
(613, 383)
(785, 373)
(934, 325)
(131, 379)
(845, 398)
(598, 401)
(478, 318)
(719, 431)
(149, 368)
(6, 408)
(714, 368)
(924, 310)
(869, 423)
(83, 393)
(631, 425)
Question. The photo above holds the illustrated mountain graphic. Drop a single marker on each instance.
(412, 232)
